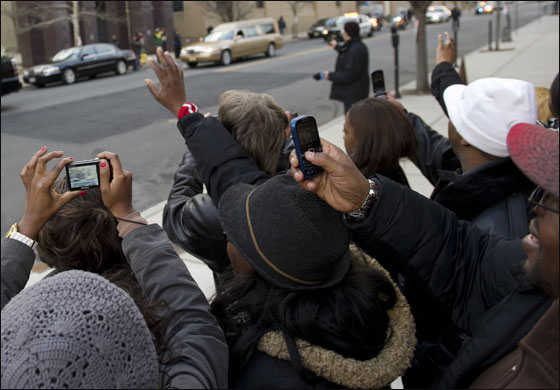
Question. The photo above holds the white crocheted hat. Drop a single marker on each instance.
(76, 330)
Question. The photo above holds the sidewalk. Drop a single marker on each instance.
(533, 55)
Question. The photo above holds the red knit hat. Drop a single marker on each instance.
(534, 149)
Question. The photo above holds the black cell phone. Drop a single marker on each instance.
(306, 137)
(82, 175)
(378, 81)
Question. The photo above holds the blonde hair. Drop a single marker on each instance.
(543, 106)
(257, 122)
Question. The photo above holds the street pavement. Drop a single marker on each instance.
(533, 55)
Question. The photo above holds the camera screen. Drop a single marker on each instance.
(308, 136)
(82, 176)
(378, 81)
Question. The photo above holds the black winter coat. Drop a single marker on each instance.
(474, 275)
(350, 77)
(492, 196)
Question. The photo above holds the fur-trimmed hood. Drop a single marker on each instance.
(376, 372)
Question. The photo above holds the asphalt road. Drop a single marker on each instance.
(117, 113)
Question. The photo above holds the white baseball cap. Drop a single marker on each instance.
(484, 111)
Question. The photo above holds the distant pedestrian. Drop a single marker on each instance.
(176, 44)
(281, 24)
(137, 47)
(114, 40)
(455, 15)
(163, 39)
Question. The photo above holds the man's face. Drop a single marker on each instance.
(453, 136)
(541, 246)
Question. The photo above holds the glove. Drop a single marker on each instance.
(318, 76)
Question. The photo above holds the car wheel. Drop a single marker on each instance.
(69, 76)
(192, 64)
(225, 58)
(370, 33)
(121, 67)
(271, 50)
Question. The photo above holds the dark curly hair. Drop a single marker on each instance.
(83, 236)
(349, 318)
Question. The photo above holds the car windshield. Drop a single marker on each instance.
(215, 36)
(342, 20)
(66, 53)
(321, 22)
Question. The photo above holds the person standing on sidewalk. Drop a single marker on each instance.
(281, 25)
(137, 47)
(350, 79)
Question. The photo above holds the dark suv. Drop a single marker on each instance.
(10, 78)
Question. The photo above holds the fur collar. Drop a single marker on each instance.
(377, 372)
(470, 194)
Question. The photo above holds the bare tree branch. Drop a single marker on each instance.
(229, 11)
(295, 7)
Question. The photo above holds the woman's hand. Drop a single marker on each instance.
(172, 94)
(116, 194)
(41, 201)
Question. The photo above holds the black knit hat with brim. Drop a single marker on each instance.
(290, 236)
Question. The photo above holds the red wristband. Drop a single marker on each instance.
(186, 109)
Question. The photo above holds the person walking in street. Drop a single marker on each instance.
(137, 47)
(350, 79)
(455, 15)
(176, 44)
(281, 25)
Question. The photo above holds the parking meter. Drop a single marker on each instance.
(394, 36)
(395, 42)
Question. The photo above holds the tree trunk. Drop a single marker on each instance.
(76, 23)
(419, 8)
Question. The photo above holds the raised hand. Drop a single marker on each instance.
(445, 51)
(41, 201)
(172, 93)
(117, 193)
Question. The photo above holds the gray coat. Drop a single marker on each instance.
(194, 332)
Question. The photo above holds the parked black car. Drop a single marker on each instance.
(70, 64)
(10, 78)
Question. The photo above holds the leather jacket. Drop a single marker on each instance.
(191, 218)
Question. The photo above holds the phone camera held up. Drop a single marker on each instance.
(378, 81)
(83, 175)
(306, 138)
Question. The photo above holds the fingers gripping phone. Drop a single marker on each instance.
(306, 138)
(378, 81)
(82, 175)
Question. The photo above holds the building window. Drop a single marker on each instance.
(177, 6)
(260, 4)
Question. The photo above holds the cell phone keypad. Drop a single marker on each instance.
(308, 168)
